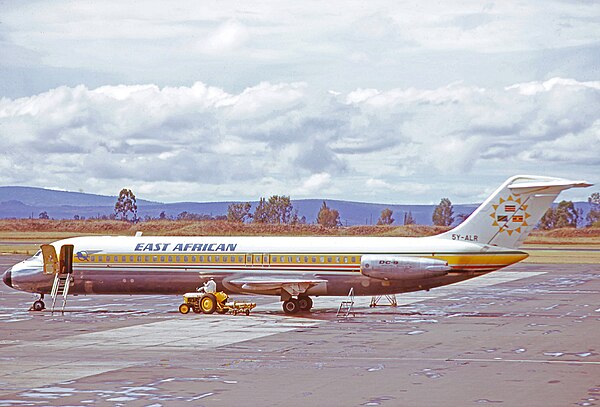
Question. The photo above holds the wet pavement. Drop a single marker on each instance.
(527, 335)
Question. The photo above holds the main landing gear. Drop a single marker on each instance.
(38, 305)
(295, 305)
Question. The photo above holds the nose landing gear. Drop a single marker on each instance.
(39, 304)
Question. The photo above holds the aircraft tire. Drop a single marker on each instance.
(208, 303)
(38, 305)
(305, 303)
(291, 306)
(184, 308)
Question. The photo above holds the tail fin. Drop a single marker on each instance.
(509, 214)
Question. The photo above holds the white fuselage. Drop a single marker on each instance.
(257, 265)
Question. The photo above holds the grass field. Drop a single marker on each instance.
(24, 236)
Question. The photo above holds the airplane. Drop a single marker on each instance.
(297, 268)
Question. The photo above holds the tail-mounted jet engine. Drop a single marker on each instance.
(401, 268)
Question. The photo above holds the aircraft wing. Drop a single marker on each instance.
(259, 284)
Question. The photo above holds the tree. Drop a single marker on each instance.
(593, 216)
(565, 215)
(162, 215)
(185, 215)
(261, 213)
(461, 217)
(278, 209)
(43, 215)
(386, 217)
(239, 212)
(126, 204)
(442, 214)
(408, 218)
(330, 218)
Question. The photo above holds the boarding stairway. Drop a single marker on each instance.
(61, 285)
(346, 305)
(62, 269)
(391, 299)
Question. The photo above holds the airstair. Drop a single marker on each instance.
(346, 305)
(60, 288)
(62, 268)
(391, 299)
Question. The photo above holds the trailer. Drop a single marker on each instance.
(208, 303)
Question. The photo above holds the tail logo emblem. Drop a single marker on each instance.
(510, 215)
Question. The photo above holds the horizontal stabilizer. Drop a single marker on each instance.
(512, 211)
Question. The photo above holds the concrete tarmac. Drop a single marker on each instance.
(524, 336)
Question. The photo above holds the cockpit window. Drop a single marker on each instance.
(35, 256)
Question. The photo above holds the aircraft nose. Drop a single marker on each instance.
(7, 278)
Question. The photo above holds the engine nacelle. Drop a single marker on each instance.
(389, 267)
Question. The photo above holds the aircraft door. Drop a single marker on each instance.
(54, 264)
(51, 265)
(66, 259)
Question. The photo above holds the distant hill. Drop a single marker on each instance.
(49, 197)
(26, 202)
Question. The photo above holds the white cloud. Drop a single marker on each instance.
(236, 45)
(203, 143)
(316, 183)
(532, 88)
(229, 36)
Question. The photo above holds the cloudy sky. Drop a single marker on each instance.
(381, 101)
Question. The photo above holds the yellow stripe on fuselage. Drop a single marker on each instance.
(309, 261)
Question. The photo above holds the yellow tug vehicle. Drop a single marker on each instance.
(206, 300)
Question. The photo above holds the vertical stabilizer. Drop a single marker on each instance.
(510, 213)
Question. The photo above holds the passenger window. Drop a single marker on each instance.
(147, 259)
(240, 259)
(345, 260)
(329, 260)
(337, 259)
(193, 259)
(108, 259)
(139, 259)
(185, 258)
(170, 259)
(217, 259)
(305, 259)
(154, 259)
(322, 259)
(201, 258)
(177, 259)
(314, 259)
(274, 259)
(209, 258)
(162, 259)
(353, 259)
(100, 258)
